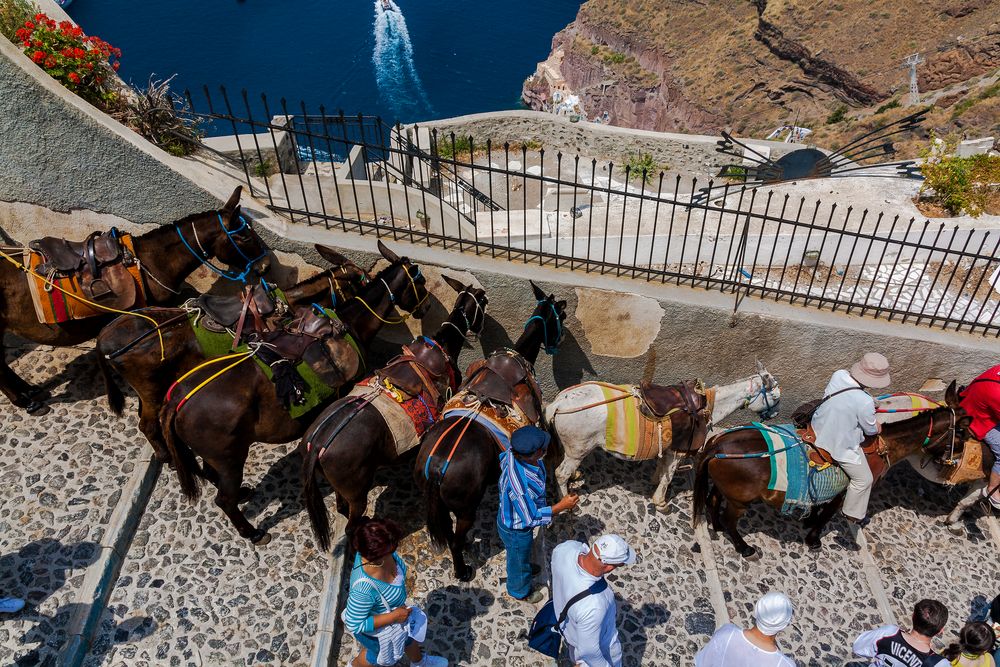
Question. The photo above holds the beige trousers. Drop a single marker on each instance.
(859, 490)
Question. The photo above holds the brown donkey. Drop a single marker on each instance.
(240, 407)
(739, 468)
(166, 256)
(351, 439)
(130, 345)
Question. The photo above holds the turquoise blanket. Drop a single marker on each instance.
(804, 485)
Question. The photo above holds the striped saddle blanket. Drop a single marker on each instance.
(500, 421)
(407, 420)
(804, 483)
(628, 432)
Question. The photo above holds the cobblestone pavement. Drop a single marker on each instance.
(191, 592)
(207, 596)
(60, 479)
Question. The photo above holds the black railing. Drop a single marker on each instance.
(357, 173)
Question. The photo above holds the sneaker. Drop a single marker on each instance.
(431, 661)
(534, 597)
(11, 605)
(993, 499)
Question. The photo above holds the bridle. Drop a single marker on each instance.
(334, 282)
(549, 347)
(392, 296)
(479, 316)
(770, 409)
(204, 256)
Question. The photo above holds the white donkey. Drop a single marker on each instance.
(578, 418)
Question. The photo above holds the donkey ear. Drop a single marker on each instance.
(455, 284)
(388, 254)
(234, 199)
(234, 217)
(332, 256)
(539, 294)
(951, 395)
(760, 367)
(561, 307)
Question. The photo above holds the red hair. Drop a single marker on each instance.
(375, 538)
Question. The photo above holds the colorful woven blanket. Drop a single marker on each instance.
(407, 420)
(897, 407)
(219, 344)
(628, 433)
(501, 421)
(804, 484)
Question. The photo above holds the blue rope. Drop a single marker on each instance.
(240, 277)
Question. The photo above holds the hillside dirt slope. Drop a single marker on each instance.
(751, 66)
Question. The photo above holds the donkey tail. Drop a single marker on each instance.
(116, 399)
(184, 459)
(438, 517)
(702, 482)
(319, 516)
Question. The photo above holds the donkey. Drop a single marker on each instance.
(578, 419)
(240, 407)
(131, 347)
(166, 256)
(737, 464)
(504, 382)
(352, 438)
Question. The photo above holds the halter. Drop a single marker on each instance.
(470, 330)
(203, 256)
(392, 297)
(550, 348)
(769, 409)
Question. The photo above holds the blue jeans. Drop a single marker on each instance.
(993, 440)
(518, 544)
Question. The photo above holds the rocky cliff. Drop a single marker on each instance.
(705, 65)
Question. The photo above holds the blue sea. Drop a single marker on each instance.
(425, 59)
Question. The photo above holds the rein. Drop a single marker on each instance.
(146, 334)
(549, 347)
(204, 256)
(470, 330)
(392, 298)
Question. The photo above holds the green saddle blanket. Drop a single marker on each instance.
(220, 344)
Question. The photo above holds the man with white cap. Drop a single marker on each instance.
(590, 631)
(845, 419)
(732, 646)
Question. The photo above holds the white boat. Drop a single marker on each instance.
(63, 3)
(386, 6)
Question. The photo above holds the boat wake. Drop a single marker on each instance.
(395, 72)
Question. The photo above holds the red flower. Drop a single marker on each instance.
(74, 77)
(67, 52)
(29, 25)
(89, 66)
(38, 42)
(40, 16)
(78, 52)
(116, 66)
(38, 56)
(50, 63)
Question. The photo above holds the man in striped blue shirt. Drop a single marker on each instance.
(522, 506)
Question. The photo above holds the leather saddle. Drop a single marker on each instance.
(874, 449)
(99, 262)
(420, 368)
(223, 312)
(688, 398)
(505, 377)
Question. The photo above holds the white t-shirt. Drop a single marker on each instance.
(842, 422)
(729, 647)
(590, 631)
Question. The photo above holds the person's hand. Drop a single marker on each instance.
(566, 503)
(400, 614)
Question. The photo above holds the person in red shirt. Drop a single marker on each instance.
(981, 401)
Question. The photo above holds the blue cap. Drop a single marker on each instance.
(528, 440)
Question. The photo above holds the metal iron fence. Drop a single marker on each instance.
(522, 203)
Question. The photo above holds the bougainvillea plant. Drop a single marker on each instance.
(81, 63)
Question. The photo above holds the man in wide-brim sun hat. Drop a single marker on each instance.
(843, 422)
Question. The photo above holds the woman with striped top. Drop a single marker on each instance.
(377, 594)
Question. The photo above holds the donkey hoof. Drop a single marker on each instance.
(576, 476)
(260, 537)
(465, 573)
(956, 529)
(246, 493)
(662, 508)
(37, 409)
(39, 394)
(750, 554)
(814, 546)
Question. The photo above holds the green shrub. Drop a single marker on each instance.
(642, 167)
(961, 183)
(734, 172)
(153, 113)
(894, 104)
(264, 168)
(839, 114)
(13, 14)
